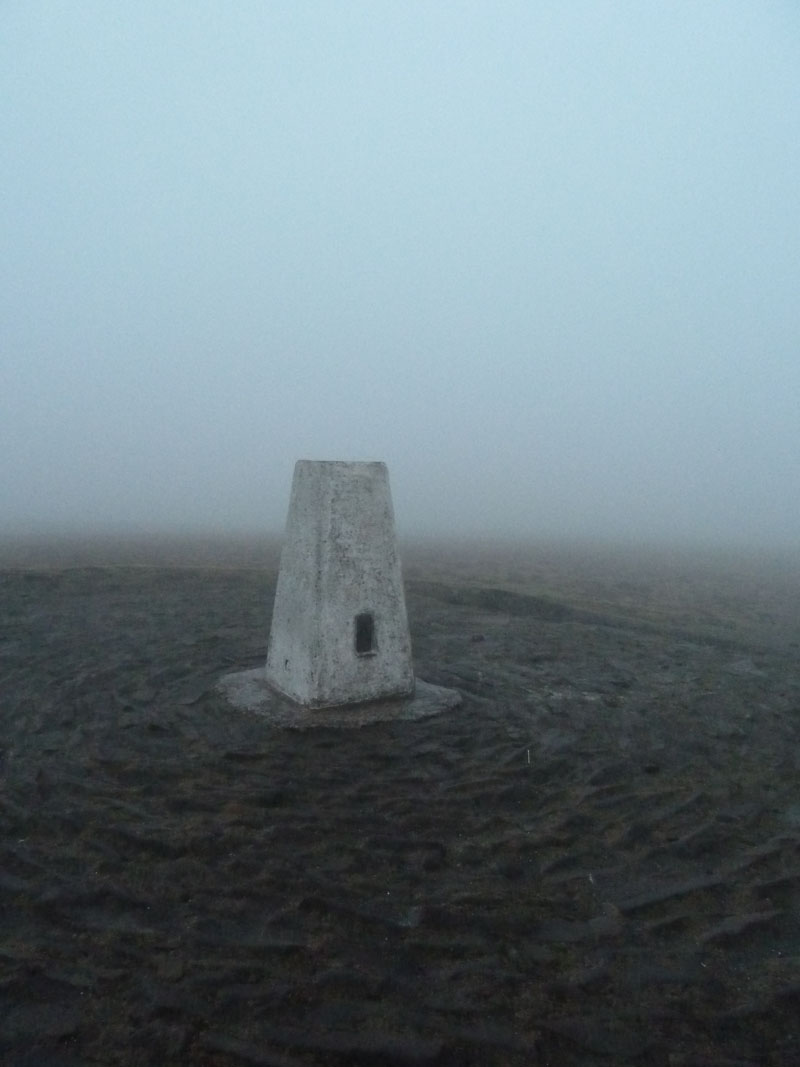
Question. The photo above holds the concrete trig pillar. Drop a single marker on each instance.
(339, 630)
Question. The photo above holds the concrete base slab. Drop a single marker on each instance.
(249, 691)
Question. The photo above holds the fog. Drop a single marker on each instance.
(542, 259)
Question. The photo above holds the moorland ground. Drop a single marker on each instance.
(594, 860)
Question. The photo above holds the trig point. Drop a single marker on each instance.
(339, 649)
(339, 629)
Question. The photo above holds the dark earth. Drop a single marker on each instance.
(595, 860)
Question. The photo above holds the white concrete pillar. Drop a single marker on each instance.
(339, 630)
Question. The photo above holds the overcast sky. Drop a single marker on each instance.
(541, 258)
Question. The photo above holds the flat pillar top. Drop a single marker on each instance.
(340, 463)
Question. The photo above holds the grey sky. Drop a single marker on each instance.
(542, 258)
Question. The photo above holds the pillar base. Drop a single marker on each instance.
(250, 691)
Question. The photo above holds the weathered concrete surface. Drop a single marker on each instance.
(250, 691)
(339, 630)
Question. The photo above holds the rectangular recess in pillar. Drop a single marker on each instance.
(365, 634)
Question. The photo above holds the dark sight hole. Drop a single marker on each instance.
(365, 634)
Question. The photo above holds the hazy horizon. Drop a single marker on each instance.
(543, 261)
